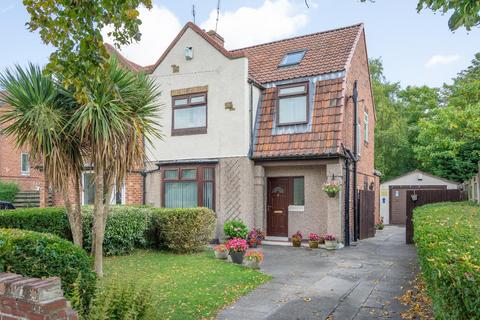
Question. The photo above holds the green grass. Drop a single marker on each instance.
(194, 286)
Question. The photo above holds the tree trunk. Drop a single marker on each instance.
(98, 218)
(74, 214)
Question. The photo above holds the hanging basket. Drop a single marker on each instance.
(331, 194)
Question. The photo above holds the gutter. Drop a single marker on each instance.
(326, 156)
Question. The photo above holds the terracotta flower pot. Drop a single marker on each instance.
(296, 242)
(237, 257)
(221, 255)
(313, 244)
(331, 244)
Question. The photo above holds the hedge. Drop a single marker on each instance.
(183, 230)
(41, 255)
(447, 236)
(8, 191)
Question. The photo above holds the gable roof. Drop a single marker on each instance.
(124, 62)
(326, 52)
(416, 171)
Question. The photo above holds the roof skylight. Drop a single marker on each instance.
(292, 58)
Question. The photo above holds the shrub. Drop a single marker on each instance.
(41, 255)
(183, 230)
(126, 229)
(235, 229)
(47, 220)
(447, 238)
(121, 301)
(8, 191)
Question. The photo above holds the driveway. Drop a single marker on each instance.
(359, 282)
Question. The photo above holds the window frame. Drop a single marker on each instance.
(281, 65)
(113, 197)
(199, 180)
(27, 172)
(279, 96)
(366, 128)
(292, 186)
(189, 105)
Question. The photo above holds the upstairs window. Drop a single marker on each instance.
(292, 104)
(189, 114)
(365, 127)
(25, 164)
(292, 58)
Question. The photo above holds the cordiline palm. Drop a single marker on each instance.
(121, 112)
(38, 119)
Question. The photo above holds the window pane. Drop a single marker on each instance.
(292, 90)
(88, 188)
(181, 102)
(189, 174)
(194, 117)
(171, 174)
(299, 191)
(208, 174)
(25, 163)
(208, 195)
(197, 99)
(292, 58)
(292, 109)
(181, 195)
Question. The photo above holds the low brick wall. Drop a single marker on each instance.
(33, 299)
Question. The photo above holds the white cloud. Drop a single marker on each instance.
(439, 59)
(275, 19)
(159, 27)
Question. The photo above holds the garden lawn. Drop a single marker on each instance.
(193, 286)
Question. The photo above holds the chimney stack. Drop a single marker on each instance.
(215, 36)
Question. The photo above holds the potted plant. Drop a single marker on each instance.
(255, 238)
(313, 240)
(253, 259)
(297, 239)
(221, 251)
(235, 229)
(330, 241)
(331, 188)
(237, 248)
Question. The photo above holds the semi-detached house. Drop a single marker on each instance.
(254, 133)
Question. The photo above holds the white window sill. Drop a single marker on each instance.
(292, 208)
(25, 173)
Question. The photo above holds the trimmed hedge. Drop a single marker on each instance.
(183, 230)
(8, 191)
(447, 236)
(42, 255)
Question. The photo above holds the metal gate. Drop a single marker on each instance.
(416, 198)
(367, 213)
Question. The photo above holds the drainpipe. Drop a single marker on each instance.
(144, 186)
(347, 202)
(250, 119)
(356, 217)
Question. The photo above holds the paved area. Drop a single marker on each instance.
(358, 282)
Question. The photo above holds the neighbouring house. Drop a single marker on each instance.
(254, 133)
(393, 193)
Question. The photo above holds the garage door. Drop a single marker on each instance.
(398, 201)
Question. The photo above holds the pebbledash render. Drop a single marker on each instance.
(254, 133)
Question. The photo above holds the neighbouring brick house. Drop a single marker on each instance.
(254, 133)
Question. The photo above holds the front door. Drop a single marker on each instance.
(279, 195)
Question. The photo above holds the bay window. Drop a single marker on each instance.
(188, 187)
(292, 104)
(189, 114)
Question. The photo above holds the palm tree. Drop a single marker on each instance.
(120, 114)
(38, 119)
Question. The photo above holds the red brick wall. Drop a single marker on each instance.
(31, 298)
(358, 70)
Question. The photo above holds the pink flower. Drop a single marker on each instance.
(314, 237)
(330, 237)
(237, 245)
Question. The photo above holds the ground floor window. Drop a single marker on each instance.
(298, 191)
(88, 191)
(188, 187)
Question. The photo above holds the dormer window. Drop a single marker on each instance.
(292, 104)
(292, 58)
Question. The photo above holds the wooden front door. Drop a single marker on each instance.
(278, 199)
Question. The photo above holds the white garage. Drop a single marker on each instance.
(393, 193)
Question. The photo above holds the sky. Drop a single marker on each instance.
(416, 48)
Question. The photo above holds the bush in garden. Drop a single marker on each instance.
(126, 229)
(447, 239)
(42, 255)
(235, 229)
(49, 220)
(8, 191)
(183, 230)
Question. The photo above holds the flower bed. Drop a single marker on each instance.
(447, 236)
